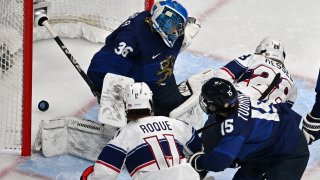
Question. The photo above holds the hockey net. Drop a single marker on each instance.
(89, 19)
(15, 75)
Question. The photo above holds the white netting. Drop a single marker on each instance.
(11, 28)
(90, 19)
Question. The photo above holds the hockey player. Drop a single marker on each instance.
(253, 73)
(260, 136)
(256, 76)
(145, 48)
(151, 147)
(311, 123)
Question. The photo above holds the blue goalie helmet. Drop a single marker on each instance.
(169, 18)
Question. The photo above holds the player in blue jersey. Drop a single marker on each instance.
(260, 136)
(150, 147)
(145, 48)
(253, 75)
(311, 123)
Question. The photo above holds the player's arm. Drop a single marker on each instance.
(221, 157)
(234, 69)
(110, 161)
(115, 57)
(292, 96)
(311, 123)
(192, 28)
(193, 142)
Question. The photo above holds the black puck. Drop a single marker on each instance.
(43, 105)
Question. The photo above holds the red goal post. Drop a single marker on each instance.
(94, 18)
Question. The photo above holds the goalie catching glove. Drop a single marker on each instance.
(311, 128)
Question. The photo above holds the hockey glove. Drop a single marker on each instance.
(311, 128)
(193, 161)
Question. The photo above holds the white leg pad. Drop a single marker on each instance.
(190, 110)
(70, 135)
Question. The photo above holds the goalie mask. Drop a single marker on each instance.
(271, 48)
(169, 19)
(138, 96)
(218, 96)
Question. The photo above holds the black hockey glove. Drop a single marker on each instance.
(311, 128)
(193, 161)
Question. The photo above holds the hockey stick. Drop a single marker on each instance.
(274, 82)
(206, 127)
(43, 21)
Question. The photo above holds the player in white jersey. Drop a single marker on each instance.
(150, 147)
(254, 74)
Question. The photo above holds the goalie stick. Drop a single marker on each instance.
(43, 21)
(274, 82)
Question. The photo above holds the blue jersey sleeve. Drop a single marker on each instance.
(234, 133)
(223, 155)
(195, 142)
(237, 67)
(115, 57)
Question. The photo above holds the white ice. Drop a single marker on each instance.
(230, 28)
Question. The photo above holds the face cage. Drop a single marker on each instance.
(208, 109)
(171, 23)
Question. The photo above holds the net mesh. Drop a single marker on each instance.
(11, 29)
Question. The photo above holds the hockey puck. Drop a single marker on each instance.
(43, 105)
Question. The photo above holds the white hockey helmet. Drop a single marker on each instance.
(169, 19)
(271, 48)
(138, 96)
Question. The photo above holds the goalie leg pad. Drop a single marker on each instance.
(190, 110)
(54, 137)
(77, 137)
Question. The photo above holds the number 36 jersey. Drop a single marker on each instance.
(253, 74)
(148, 144)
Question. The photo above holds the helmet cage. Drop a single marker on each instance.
(169, 19)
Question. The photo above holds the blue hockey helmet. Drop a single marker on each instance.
(218, 96)
(169, 19)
